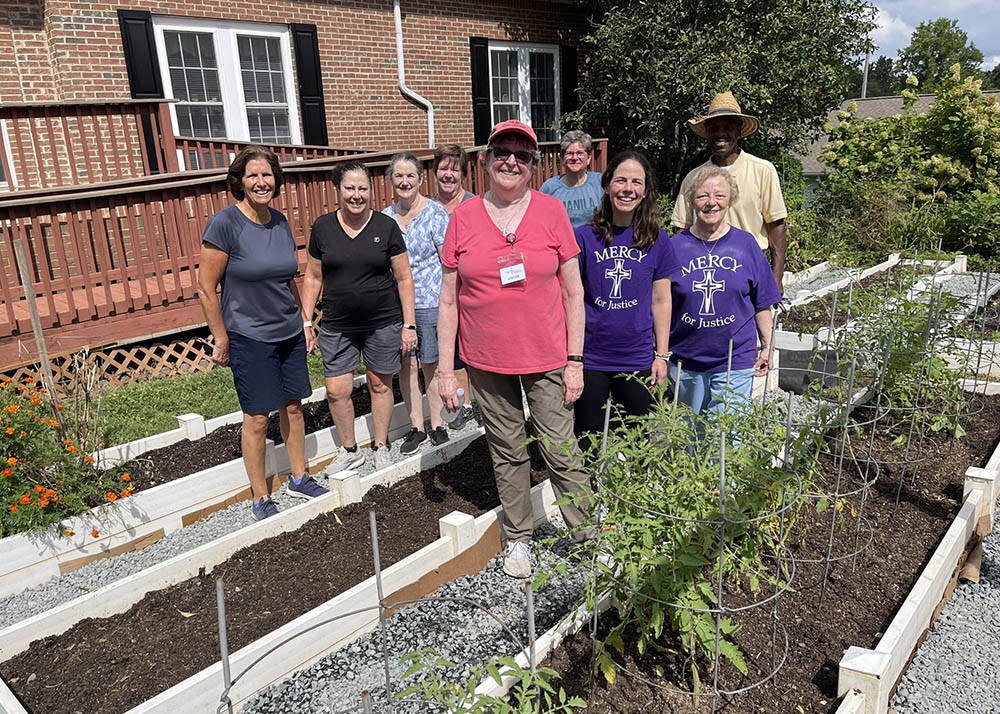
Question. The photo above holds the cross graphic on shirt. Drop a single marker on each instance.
(618, 273)
(708, 287)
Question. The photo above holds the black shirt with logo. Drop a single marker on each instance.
(359, 291)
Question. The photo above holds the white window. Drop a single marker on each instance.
(524, 85)
(231, 80)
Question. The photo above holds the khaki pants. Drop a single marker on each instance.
(499, 397)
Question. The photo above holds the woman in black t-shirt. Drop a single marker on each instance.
(357, 257)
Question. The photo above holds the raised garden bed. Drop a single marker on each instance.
(138, 652)
(859, 602)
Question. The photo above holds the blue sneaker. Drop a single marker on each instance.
(264, 508)
(306, 488)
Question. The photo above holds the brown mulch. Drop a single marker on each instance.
(110, 665)
(859, 602)
(811, 316)
(186, 457)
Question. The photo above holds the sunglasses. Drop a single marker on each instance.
(522, 157)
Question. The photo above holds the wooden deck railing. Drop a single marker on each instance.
(219, 153)
(117, 253)
(57, 143)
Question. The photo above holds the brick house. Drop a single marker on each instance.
(321, 73)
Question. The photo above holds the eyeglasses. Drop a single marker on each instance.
(575, 154)
(522, 157)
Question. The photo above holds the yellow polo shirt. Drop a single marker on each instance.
(760, 199)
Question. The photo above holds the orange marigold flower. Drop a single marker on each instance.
(112, 496)
(43, 502)
(49, 493)
(29, 380)
(69, 534)
(41, 390)
(8, 472)
(26, 499)
(22, 388)
(31, 411)
(126, 477)
(59, 406)
(12, 508)
(11, 461)
(10, 430)
(36, 401)
(70, 448)
(39, 488)
(95, 533)
(13, 408)
(89, 459)
(126, 493)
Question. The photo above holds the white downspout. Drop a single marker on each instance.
(407, 92)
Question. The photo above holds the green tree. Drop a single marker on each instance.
(934, 47)
(657, 63)
(993, 78)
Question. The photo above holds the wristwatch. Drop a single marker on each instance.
(409, 327)
(574, 358)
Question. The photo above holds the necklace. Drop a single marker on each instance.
(711, 245)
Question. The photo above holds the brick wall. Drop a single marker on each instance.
(70, 51)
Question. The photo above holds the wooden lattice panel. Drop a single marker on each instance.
(120, 366)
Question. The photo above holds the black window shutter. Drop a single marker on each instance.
(306, 44)
(479, 58)
(569, 78)
(141, 62)
(143, 67)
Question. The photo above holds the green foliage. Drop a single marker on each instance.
(900, 182)
(974, 224)
(531, 693)
(882, 79)
(936, 46)
(657, 63)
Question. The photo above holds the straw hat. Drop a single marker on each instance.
(724, 105)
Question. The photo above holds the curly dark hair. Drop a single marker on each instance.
(645, 220)
(234, 177)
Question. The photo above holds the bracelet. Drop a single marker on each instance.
(307, 323)
(665, 356)
(409, 327)
(574, 358)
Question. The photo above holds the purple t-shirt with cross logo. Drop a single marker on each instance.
(719, 288)
(618, 297)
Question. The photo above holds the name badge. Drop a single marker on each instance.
(512, 274)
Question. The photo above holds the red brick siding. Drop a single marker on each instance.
(73, 51)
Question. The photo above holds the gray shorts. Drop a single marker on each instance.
(342, 351)
(427, 335)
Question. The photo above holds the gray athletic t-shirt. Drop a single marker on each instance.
(580, 201)
(257, 301)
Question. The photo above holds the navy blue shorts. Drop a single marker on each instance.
(268, 374)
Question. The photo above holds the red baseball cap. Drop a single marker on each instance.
(513, 126)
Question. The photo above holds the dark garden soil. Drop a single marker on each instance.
(187, 457)
(858, 606)
(809, 317)
(110, 665)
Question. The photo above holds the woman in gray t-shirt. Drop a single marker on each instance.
(258, 325)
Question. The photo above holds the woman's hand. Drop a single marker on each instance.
(763, 364)
(408, 341)
(572, 382)
(312, 342)
(220, 352)
(659, 371)
(448, 388)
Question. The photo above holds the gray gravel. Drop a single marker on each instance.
(457, 632)
(818, 282)
(957, 668)
(99, 573)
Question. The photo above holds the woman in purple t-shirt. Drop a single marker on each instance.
(626, 261)
(722, 298)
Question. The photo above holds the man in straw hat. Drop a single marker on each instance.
(760, 209)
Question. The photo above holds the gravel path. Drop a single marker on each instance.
(459, 633)
(957, 668)
(99, 573)
(818, 282)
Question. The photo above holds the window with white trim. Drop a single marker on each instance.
(524, 85)
(231, 80)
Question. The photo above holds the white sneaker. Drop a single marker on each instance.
(380, 457)
(517, 560)
(344, 460)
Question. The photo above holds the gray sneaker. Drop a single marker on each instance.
(380, 457)
(344, 461)
(517, 560)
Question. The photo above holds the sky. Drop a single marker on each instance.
(897, 19)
